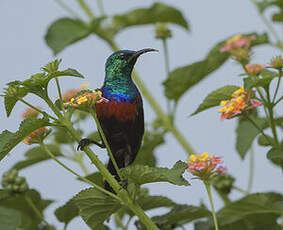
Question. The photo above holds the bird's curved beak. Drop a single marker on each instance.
(140, 52)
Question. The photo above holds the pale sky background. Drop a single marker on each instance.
(23, 51)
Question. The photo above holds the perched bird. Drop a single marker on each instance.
(122, 118)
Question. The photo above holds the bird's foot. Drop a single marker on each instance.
(124, 183)
(86, 142)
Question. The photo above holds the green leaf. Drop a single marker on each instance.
(12, 94)
(246, 133)
(29, 219)
(213, 99)
(158, 12)
(95, 207)
(69, 72)
(248, 212)
(62, 137)
(96, 178)
(180, 215)
(9, 219)
(264, 81)
(265, 142)
(9, 140)
(64, 32)
(67, 212)
(142, 174)
(277, 17)
(37, 155)
(184, 78)
(276, 156)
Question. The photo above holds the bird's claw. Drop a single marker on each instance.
(83, 143)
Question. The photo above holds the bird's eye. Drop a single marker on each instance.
(122, 57)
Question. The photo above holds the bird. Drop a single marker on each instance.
(122, 116)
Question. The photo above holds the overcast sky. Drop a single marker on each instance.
(23, 51)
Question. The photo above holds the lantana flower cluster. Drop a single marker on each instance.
(203, 165)
(36, 136)
(239, 46)
(86, 98)
(241, 101)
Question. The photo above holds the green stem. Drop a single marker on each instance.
(60, 94)
(239, 189)
(37, 212)
(38, 110)
(76, 174)
(93, 113)
(280, 99)
(251, 171)
(167, 68)
(277, 87)
(122, 193)
(207, 186)
(119, 221)
(101, 7)
(257, 127)
(266, 22)
(86, 9)
(67, 8)
(271, 119)
(282, 221)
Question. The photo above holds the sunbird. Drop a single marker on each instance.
(122, 117)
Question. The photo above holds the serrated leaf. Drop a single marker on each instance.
(29, 219)
(62, 137)
(158, 12)
(9, 140)
(67, 212)
(276, 156)
(184, 78)
(179, 215)
(246, 133)
(37, 155)
(143, 174)
(64, 32)
(213, 99)
(69, 72)
(10, 219)
(95, 207)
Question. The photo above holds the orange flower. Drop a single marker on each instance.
(254, 69)
(30, 113)
(36, 136)
(240, 102)
(86, 99)
(203, 165)
(237, 42)
(69, 94)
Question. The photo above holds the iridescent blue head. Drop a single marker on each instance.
(121, 63)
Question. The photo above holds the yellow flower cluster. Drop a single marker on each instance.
(240, 101)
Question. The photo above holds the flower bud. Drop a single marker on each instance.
(36, 136)
(162, 31)
(30, 113)
(277, 63)
(254, 69)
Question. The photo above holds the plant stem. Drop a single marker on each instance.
(38, 110)
(67, 8)
(77, 175)
(239, 189)
(37, 212)
(282, 221)
(271, 119)
(86, 9)
(82, 165)
(119, 221)
(277, 87)
(101, 7)
(93, 113)
(280, 99)
(122, 193)
(60, 94)
(251, 171)
(266, 22)
(207, 186)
